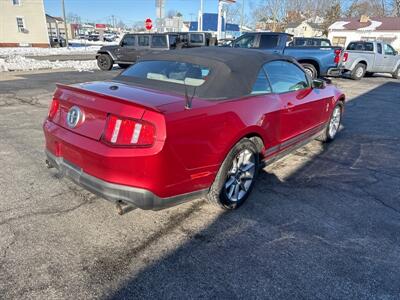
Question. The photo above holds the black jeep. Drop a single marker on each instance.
(135, 45)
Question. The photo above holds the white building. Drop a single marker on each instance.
(23, 23)
(386, 29)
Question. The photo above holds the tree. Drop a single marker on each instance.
(272, 10)
(377, 8)
(179, 15)
(395, 4)
(73, 18)
(331, 16)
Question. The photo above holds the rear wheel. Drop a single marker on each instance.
(105, 62)
(310, 70)
(396, 74)
(358, 72)
(333, 125)
(236, 177)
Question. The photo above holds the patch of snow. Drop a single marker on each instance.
(32, 51)
(372, 26)
(339, 25)
(21, 63)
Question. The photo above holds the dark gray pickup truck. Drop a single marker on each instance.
(135, 45)
(316, 60)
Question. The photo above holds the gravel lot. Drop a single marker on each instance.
(322, 223)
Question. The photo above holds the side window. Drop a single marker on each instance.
(369, 47)
(388, 49)
(196, 38)
(325, 43)
(261, 85)
(159, 41)
(269, 41)
(379, 48)
(285, 76)
(246, 41)
(128, 41)
(143, 40)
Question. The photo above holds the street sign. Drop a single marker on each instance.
(149, 24)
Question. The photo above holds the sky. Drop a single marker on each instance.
(129, 11)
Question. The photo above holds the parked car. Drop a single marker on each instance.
(184, 124)
(365, 58)
(109, 37)
(303, 41)
(56, 42)
(94, 37)
(317, 60)
(133, 46)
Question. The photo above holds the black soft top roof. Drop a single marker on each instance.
(233, 71)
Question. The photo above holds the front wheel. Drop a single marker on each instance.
(105, 62)
(236, 177)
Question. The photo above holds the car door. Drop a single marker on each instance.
(389, 58)
(269, 43)
(302, 106)
(379, 59)
(143, 42)
(126, 52)
(159, 42)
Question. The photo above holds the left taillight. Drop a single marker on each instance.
(338, 52)
(54, 106)
(122, 131)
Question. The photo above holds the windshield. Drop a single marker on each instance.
(169, 71)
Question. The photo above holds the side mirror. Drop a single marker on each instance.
(318, 84)
(395, 53)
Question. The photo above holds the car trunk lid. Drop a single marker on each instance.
(96, 100)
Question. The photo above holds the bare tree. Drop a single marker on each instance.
(272, 10)
(377, 8)
(332, 14)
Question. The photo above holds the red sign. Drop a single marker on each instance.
(101, 26)
(149, 24)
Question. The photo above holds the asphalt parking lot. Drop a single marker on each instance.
(321, 223)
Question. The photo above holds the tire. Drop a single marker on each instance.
(310, 70)
(105, 62)
(328, 135)
(226, 192)
(358, 72)
(396, 74)
(124, 66)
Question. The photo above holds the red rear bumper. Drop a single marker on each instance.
(151, 172)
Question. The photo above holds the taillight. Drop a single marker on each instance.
(337, 55)
(55, 104)
(128, 132)
(345, 56)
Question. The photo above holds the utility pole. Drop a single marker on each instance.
(200, 23)
(65, 23)
(242, 18)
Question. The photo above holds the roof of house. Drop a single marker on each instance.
(374, 23)
(54, 18)
(297, 24)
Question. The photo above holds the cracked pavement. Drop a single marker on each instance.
(322, 223)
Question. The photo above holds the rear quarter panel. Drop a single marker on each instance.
(323, 56)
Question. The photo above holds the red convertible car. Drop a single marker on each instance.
(187, 124)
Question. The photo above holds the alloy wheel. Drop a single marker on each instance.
(359, 72)
(335, 122)
(240, 176)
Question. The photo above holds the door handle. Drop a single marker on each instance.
(289, 106)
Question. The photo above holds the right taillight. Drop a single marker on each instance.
(54, 106)
(121, 131)
(345, 56)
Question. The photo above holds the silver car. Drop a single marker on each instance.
(363, 58)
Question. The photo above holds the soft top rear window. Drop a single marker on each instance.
(169, 71)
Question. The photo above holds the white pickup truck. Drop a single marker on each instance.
(368, 57)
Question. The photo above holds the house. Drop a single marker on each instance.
(23, 23)
(304, 29)
(56, 27)
(267, 24)
(365, 28)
